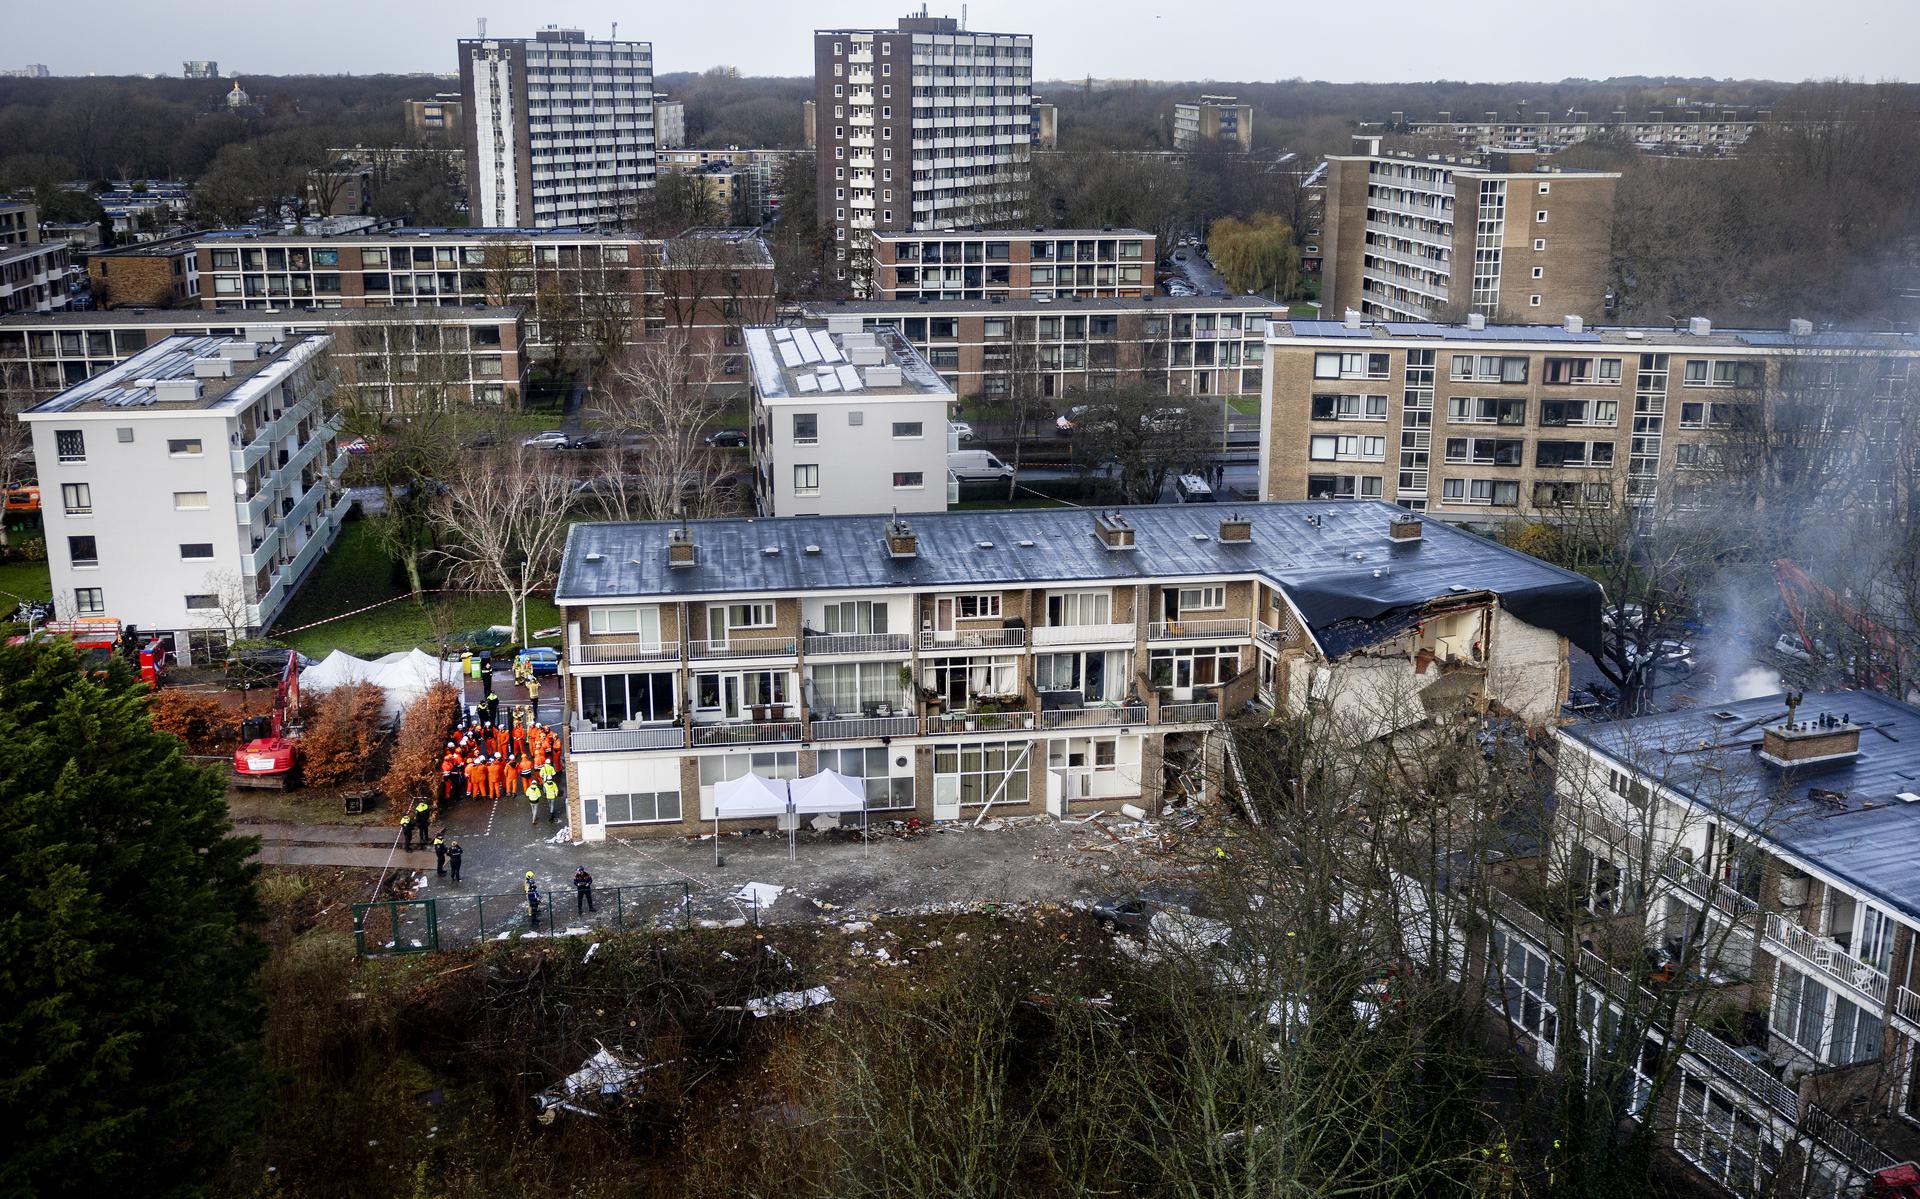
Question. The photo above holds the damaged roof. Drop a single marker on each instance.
(1349, 581)
(1844, 818)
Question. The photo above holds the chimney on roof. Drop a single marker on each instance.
(1235, 529)
(1823, 740)
(1476, 320)
(1800, 328)
(902, 541)
(1699, 326)
(1402, 529)
(1573, 324)
(681, 550)
(1114, 530)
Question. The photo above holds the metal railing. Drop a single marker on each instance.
(471, 919)
(1184, 630)
(744, 647)
(746, 733)
(596, 653)
(1718, 895)
(1082, 634)
(974, 639)
(858, 643)
(980, 722)
(1742, 1073)
(1269, 634)
(1197, 712)
(847, 728)
(1906, 1005)
(1863, 1154)
(1825, 955)
(651, 736)
(1095, 717)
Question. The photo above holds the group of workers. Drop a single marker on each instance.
(489, 759)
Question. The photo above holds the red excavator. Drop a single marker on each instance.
(1884, 663)
(268, 755)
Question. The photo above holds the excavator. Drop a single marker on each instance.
(269, 755)
(1887, 665)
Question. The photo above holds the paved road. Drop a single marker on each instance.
(1199, 272)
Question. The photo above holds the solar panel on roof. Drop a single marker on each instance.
(806, 383)
(783, 334)
(829, 381)
(849, 378)
(809, 352)
(790, 354)
(828, 351)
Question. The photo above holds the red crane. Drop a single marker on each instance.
(1888, 665)
(271, 758)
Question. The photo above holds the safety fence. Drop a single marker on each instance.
(394, 926)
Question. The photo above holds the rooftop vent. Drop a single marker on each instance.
(681, 550)
(1573, 324)
(882, 376)
(258, 334)
(1699, 326)
(771, 551)
(902, 541)
(1236, 529)
(595, 557)
(1403, 529)
(1352, 318)
(240, 351)
(1800, 328)
(1907, 797)
(813, 549)
(1476, 320)
(1114, 531)
(843, 324)
(1795, 743)
(176, 391)
(213, 368)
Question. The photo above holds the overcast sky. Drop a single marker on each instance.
(1392, 40)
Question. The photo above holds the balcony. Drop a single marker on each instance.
(1095, 717)
(600, 653)
(1198, 712)
(1269, 634)
(1906, 1008)
(1013, 638)
(1722, 898)
(1826, 956)
(980, 722)
(826, 644)
(1749, 1077)
(747, 732)
(743, 647)
(857, 728)
(1082, 634)
(644, 736)
(1195, 630)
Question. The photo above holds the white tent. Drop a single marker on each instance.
(828, 791)
(337, 669)
(749, 795)
(404, 676)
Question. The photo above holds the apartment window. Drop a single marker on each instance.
(977, 607)
(77, 498)
(1486, 411)
(1526, 984)
(641, 623)
(1540, 217)
(202, 603)
(869, 764)
(1609, 370)
(839, 173)
(89, 601)
(70, 445)
(189, 447)
(908, 479)
(1201, 598)
(906, 429)
(189, 501)
(1350, 366)
(1353, 407)
(1539, 243)
(83, 551)
(1079, 608)
(609, 700)
(1490, 368)
(806, 428)
(806, 478)
(1544, 187)
(1539, 272)
(641, 807)
(1533, 301)
(196, 549)
(837, 51)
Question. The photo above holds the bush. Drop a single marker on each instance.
(201, 720)
(414, 768)
(343, 734)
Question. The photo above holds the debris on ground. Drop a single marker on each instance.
(786, 1001)
(603, 1075)
(759, 894)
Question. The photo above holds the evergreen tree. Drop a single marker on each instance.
(130, 1016)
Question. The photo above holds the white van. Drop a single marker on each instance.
(977, 466)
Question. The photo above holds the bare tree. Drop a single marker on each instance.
(16, 437)
(503, 521)
(1144, 437)
(655, 412)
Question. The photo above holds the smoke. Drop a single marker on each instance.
(1758, 680)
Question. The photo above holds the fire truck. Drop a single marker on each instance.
(99, 637)
(268, 756)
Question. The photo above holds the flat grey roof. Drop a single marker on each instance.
(1860, 832)
(129, 385)
(1334, 560)
(808, 362)
(1623, 336)
(917, 307)
(120, 317)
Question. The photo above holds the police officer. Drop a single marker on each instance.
(406, 829)
(453, 859)
(440, 853)
(552, 791)
(421, 814)
(493, 705)
(582, 891)
(533, 899)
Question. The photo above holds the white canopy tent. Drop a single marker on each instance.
(831, 791)
(404, 676)
(749, 795)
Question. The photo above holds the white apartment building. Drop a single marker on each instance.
(191, 488)
(926, 126)
(845, 421)
(559, 128)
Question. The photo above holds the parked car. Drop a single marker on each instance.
(540, 659)
(587, 441)
(1131, 913)
(976, 466)
(551, 439)
(1791, 645)
(960, 429)
(1192, 489)
(727, 439)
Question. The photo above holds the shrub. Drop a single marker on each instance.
(201, 720)
(414, 768)
(343, 734)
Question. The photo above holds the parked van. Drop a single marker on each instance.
(1192, 489)
(977, 466)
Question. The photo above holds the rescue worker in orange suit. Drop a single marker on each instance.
(497, 776)
(447, 761)
(476, 779)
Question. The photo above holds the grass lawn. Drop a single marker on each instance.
(356, 573)
(1303, 312)
(1245, 405)
(24, 580)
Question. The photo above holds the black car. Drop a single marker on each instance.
(727, 439)
(1130, 913)
(588, 441)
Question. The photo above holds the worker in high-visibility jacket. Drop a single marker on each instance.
(552, 791)
(533, 802)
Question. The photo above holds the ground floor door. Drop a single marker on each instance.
(946, 797)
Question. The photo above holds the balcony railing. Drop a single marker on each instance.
(1718, 895)
(851, 728)
(746, 732)
(858, 643)
(1906, 1005)
(597, 653)
(1269, 634)
(980, 722)
(1826, 956)
(1744, 1074)
(974, 639)
(1187, 630)
(1081, 634)
(646, 736)
(1101, 716)
(1198, 712)
(743, 647)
